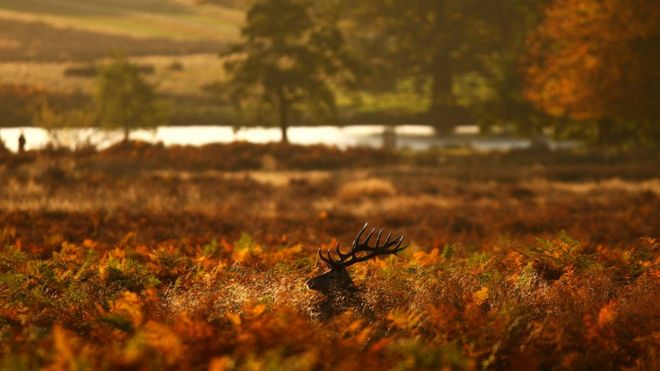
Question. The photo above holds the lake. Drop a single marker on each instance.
(416, 137)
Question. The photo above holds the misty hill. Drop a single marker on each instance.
(37, 41)
(84, 29)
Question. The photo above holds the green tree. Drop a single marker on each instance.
(124, 100)
(462, 53)
(493, 84)
(422, 40)
(290, 56)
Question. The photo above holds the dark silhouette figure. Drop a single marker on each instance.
(339, 290)
(21, 143)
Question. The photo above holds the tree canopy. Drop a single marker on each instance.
(598, 60)
(447, 47)
(289, 56)
(124, 100)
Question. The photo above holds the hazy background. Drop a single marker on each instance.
(560, 73)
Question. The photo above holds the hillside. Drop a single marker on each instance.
(178, 20)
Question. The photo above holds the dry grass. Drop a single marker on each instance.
(152, 266)
(365, 188)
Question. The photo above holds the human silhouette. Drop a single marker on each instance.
(21, 143)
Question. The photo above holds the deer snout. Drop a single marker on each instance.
(314, 284)
(321, 283)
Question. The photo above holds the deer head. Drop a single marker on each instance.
(337, 278)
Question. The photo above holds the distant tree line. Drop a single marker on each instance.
(587, 68)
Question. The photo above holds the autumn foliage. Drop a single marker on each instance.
(156, 267)
(593, 59)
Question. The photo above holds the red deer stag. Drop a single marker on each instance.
(337, 280)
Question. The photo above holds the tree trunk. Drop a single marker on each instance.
(389, 137)
(285, 135)
(284, 119)
(605, 131)
(443, 103)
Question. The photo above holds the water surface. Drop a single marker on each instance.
(415, 137)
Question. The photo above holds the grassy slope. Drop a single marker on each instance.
(39, 39)
(142, 18)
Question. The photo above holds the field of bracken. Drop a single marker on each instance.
(146, 257)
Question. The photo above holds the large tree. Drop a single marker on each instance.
(290, 54)
(445, 45)
(419, 40)
(599, 60)
(492, 84)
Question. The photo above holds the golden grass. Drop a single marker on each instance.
(143, 257)
(365, 188)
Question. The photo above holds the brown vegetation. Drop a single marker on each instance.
(191, 258)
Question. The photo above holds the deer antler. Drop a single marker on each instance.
(389, 247)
